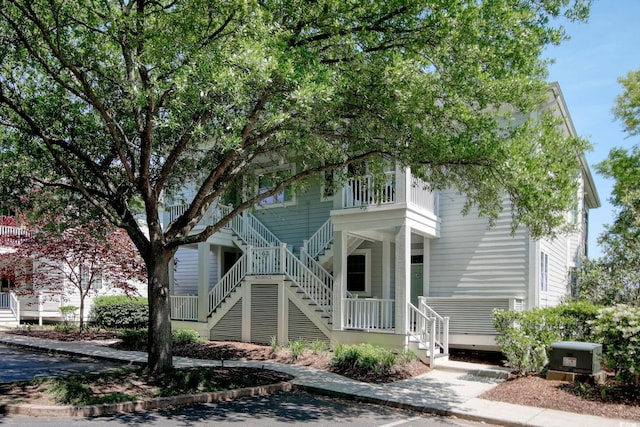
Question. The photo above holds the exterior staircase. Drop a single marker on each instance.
(7, 319)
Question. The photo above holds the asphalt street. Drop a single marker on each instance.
(18, 364)
(283, 409)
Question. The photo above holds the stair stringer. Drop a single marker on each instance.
(307, 309)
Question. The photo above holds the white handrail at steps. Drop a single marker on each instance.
(14, 305)
(313, 287)
(320, 240)
(422, 329)
(441, 337)
(227, 283)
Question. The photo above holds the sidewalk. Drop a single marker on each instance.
(451, 389)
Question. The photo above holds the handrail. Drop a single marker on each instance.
(261, 229)
(14, 305)
(441, 331)
(422, 328)
(313, 287)
(227, 283)
(320, 240)
(316, 268)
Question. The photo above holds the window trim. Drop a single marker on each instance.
(367, 272)
(275, 204)
(544, 272)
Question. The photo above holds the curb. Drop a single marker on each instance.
(141, 405)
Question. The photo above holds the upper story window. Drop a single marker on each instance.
(267, 181)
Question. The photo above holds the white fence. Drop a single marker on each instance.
(364, 191)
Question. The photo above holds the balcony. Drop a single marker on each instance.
(398, 189)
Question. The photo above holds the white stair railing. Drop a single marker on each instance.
(312, 286)
(320, 240)
(227, 283)
(441, 325)
(422, 329)
(316, 268)
(14, 305)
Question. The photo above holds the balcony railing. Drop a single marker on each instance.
(364, 191)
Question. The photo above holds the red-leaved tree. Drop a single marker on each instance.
(80, 259)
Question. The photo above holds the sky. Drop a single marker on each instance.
(587, 67)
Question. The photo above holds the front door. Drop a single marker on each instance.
(417, 270)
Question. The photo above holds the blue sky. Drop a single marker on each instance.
(587, 68)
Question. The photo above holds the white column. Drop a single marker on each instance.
(403, 277)
(339, 277)
(204, 255)
(386, 269)
(426, 265)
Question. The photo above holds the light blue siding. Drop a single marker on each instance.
(295, 223)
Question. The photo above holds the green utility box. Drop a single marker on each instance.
(576, 357)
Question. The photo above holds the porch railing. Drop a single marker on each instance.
(184, 307)
(370, 314)
(10, 235)
(320, 240)
(364, 191)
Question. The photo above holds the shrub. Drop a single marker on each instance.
(296, 348)
(136, 339)
(526, 336)
(184, 336)
(618, 329)
(121, 312)
(362, 358)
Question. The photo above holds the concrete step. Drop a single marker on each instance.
(475, 369)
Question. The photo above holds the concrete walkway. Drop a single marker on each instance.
(451, 389)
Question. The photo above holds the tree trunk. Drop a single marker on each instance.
(82, 296)
(160, 357)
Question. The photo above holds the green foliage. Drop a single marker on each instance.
(318, 346)
(273, 342)
(184, 336)
(618, 329)
(525, 336)
(296, 348)
(615, 278)
(136, 339)
(120, 312)
(115, 107)
(71, 391)
(362, 358)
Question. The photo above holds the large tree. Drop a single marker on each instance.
(115, 101)
(615, 277)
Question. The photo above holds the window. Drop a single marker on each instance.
(88, 277)
(268, 179)
(544, 272)
(359, 272)
(327, 189)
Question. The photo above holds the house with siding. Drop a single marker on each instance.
(24, 300)
(387, 263)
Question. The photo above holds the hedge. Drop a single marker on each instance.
(120, 312)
